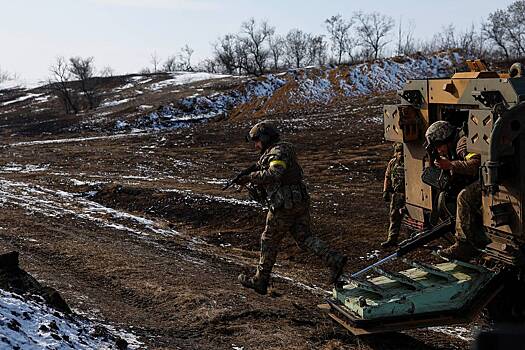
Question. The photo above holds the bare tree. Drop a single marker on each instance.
(4, 76)
(107, 71)
(171, 64)
(225, 53)
(515, 26)
(297, 47)
(83, 70)
(155, 61)
(317, 50)
(470, 42)
(257, 36)
(339, 30)
(277, 47)
(373, 30)
(59, 82)
(185, 58)
(494, 29)
(405, 38)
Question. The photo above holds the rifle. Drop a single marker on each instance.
(244, 172)
(417, 240)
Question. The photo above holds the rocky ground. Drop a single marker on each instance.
(134, 229)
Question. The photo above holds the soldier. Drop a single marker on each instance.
(394, 192)
(281, 177)
(463, 167)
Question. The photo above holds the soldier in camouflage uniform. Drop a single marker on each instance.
(394, 192)
(279, 174)
(463, 168)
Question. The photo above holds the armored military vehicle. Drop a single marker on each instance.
(489, 107)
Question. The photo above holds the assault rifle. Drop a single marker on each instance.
(417, 240)
(244, 172)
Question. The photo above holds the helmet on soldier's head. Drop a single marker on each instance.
(264, 131)
(440, 132)
(398, 147)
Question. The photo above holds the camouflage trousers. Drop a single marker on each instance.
(469, 217)
(397, 203)
(294, 221)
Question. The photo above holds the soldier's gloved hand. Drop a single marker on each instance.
(243, 180)
(387, 196)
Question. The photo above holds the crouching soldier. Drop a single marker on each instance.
(463, 168)
(394, 192)
(280, 175)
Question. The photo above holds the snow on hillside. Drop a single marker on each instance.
(28, 325)
(297, 87)
(181, 78)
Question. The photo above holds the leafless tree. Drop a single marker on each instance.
(470, 42)
(297, 47)
(4, 76)
(257, 36)
(185, 58)
(515, 26)
(59, 84)
(225, 53)
(83, 70)
(317, 50)
(339, 30)
(277, 48)
(171, 64)
(107, 71)
(208, 65)
(495, 30)
(405, 38)
(155, 61)
(372, 30)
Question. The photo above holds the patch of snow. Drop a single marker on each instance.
(181, 78)
(21, 99)
(79, 139)
(28, 324)
(23, 168)
(114, 103)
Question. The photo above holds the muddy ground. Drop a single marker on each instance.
(135, 229)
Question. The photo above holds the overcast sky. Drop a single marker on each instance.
(124, 33)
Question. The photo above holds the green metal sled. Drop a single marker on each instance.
(424, 295)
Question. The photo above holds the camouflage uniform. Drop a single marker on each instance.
(281, 176)
(465, 169)
(394, 184)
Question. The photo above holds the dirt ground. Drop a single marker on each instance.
(135, 229)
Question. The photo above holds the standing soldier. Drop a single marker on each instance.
(280, 176)
(394, 192)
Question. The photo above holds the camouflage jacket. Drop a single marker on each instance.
(463, 162)
(395, 176)
(281, 176)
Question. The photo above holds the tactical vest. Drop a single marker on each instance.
(290, 190)
(397, 175)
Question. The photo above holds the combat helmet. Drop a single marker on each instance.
(440, 132)
(264, 131)
(398, 147)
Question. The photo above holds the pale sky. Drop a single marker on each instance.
(123, 34)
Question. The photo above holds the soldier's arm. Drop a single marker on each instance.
(469, 166)
(278, 162)
(387, 184)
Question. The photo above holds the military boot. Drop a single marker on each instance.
(260, 285)
(337, 268)
(390, 242)
(461, 250)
